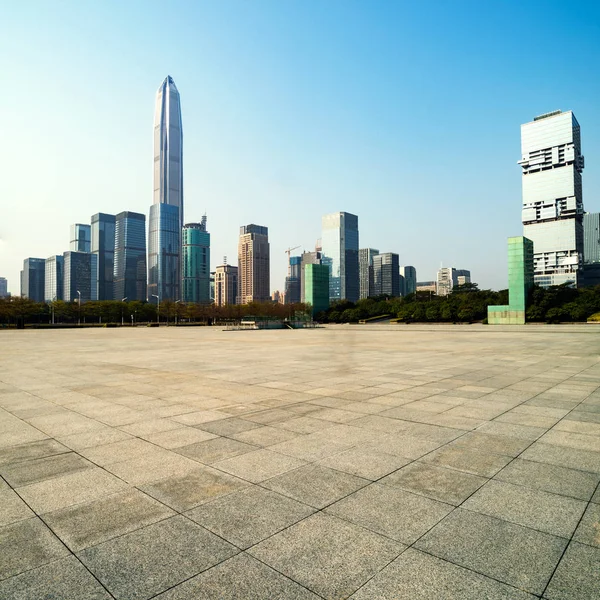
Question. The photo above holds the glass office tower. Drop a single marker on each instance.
(552, 196)
(340, 253)
(103, 246)
(195, 258)
(409, 276)
(591, 238)
(164, 252)
(386, 274)
(3, 287)
(130, 256)
(292, 281)
(54, 269)
(81, 238)
(33, 278)
(316, 278)
(80, 276)
(365, 270)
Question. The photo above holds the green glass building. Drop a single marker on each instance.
(520, 280)
(195, 246)
(316, 287)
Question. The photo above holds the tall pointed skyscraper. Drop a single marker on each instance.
(166, 212)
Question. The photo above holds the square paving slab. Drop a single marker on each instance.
(373, 461)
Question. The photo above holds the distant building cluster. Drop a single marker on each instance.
(115, 257)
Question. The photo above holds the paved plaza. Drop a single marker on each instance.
(399, 463)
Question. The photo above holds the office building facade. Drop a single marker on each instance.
(130, 273)
(409, 280)
(166, 212)
(307, 258)
(103, 246)
(253, 264)
(79, 277)
(365, 272)
(292, 293)
(386, 274)
(226, 284)
(591, 238)
(195, 253)
(3, 287)
(33, 279)
(54, 278)
(552, 196)
(340, 253)
(316, 278)
(81, 238)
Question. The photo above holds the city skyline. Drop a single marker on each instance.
(272, 126)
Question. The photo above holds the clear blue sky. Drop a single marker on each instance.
(405, 113)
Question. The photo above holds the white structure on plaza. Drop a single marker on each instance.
(552, 196)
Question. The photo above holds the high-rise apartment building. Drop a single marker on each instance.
(3, 287)
(316, 278)
(591, 238)
(130, 272)
(463, 276)
(253, 264)
(33, 278)
(365, 272)
(449, 277)
(292, 293)
(409, 275)
(226, 284)
(552, 196)
(54, 278)
(195, 253)
(79, 277)
(103, 246)
(166, 213)
(340, 253)
(81, 238)
(386, 274)
(307, 258)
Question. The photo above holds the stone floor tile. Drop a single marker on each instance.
(304, 424)
(97, 437)
(367, 463)
(153, 559)
(92, 523)
(476, 462)
(152, 467)
(31, 451)
(511, 430)
(509, 553)
(250, 515)
(265, 436)
(498, 444)
(539, 510)
(390, 511)
(12, 508)
(41, 469)
(228, 426)
(176, 438)
(65, 579)
(239, 578)
(327, 555)
(445, 485)
(129, 449)
(186, 491)
(581, 441)
(550, 478)
(27, 544)
(311, 447)
(315, 485)
(588, 531)
(67, 490)
(259, 465)
(571, 458)
(418, 576)
(150, 426)
(577, 576)
(214, 450)
(407, 446)
(526, 419)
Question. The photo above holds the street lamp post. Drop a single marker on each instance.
(79, 311)
(122, 318)
(157, 308)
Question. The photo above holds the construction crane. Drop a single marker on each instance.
(289, 252)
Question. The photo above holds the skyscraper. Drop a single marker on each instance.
(409, 274)
(386, 274)
(253, 264)
(130, 256)
(591, 238)
(226, 284)
(80, 276)
(195, 252)
(81, 238)
(103, 246)
(33, 279)
(166, 213)
(3, 287)
(307, 258)
(292, 281)
(552, 196)
(340, 253)
(54, 273)
(316, 278)
(365, 270)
